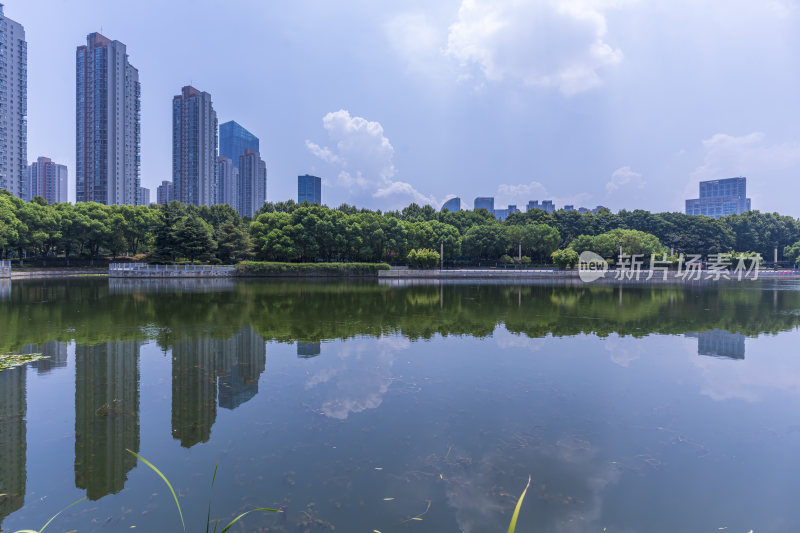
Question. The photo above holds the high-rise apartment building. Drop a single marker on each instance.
(547, 205)
(453, 204)
(143, 197)
(165, 193)
(719, 198)
(228, 182)
(107, 123)
(484, 202)
(252, 183)
(194, 147)
(502, 214)
(309, 189)
(48, 180)
(13, 106)
(234, 140)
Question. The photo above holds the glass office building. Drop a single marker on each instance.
(484, 202)
(234, 140)
(309, 189)
(453, 204)
(719, 198)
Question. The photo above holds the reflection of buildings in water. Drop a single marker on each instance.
(5, 289)
(308, 349)
(13, 443)
(201, 367)
(239, 383)
(55, 354)
(106, 415)
(194, 391)
(719, 343)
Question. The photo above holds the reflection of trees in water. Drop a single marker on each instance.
(13, 443)
(106, 416)
(85, 311)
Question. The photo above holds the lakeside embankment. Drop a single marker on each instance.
(573, 274)
(254, 269)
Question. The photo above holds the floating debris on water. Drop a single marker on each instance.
(13, 360)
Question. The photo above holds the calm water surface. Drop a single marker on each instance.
(361, 406)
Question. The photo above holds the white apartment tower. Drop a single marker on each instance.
(13, 106)
(107, 121)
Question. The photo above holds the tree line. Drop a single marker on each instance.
(288, 231)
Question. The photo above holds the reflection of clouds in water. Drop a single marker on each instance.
(623, 351)
(771, 365)
(565, 494)
(358, 376)
(504, 339)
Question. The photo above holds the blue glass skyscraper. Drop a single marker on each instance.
(234, 140)
(309, 189)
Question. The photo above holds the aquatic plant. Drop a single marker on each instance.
(51, 518)
(208, 517)
(12, 360)
(513, 525)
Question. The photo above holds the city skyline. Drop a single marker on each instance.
(595, 141)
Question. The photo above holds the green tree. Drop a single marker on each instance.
(195, 238)
(486, 242)
(565, 258)
(423, 258)
(233, 242)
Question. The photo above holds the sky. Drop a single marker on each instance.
(621, 103)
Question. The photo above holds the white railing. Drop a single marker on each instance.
(145, 267)
(143, 270)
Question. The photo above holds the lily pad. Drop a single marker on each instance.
(12, 360)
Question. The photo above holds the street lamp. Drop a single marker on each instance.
(441, 254)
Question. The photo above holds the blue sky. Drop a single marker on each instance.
(623, 103)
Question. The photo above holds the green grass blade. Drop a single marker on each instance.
(162, 476)
(513, 525)
(226, 528)
(51, 518)
(208, 517)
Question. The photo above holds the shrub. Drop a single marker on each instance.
(566, 258)
(423, 258)
(260, 268)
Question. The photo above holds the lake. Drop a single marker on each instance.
(401, 407)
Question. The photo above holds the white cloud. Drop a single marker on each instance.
(624, 177)
(728, 155)
(514, 193)
(323, 153)
(364, 157)
(550, 43)
(406, 190)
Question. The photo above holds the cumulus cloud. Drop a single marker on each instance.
(549, 43)
(533, 190)
(364, 157)
(624, 177)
